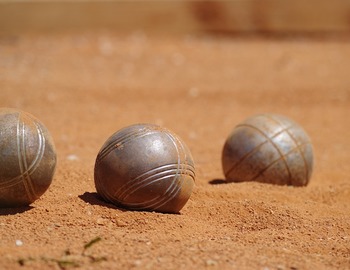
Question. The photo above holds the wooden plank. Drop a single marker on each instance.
(73, 15)
(176, 16)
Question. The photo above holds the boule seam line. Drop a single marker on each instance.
(278, 150)
(256, 149)
(23, 166)
(32, 167)
(296, 142)
(173, 189)
(121, 141)
(147, 176)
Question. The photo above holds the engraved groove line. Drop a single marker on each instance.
(277, 160)
(151, 175)
(171, 191)
(148, 178)
(148, 174)
(302, 155)
(41, 142)
(155, 201)
(33, 166)
(41, 139)
(175, 188)
(120, 141)
(275, 146)
(256, 149)
(22, 158)
(296, 142)
(23, 162)
(176, 183)
(114, 143)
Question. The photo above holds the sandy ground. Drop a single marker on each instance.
(85, 86)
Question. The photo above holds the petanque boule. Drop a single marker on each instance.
(268, 148)
(27, 158)
(145, 167)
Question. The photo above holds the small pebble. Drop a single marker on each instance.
(72, 157)
(121, 223)
(137, 263)
(19, 243)
(100, 221)
(211, 262)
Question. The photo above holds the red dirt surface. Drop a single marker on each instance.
(86, 86)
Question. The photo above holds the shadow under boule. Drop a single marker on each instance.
(218, 181)
(14, 210)
(94, 198)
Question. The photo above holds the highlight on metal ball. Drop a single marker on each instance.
(27, 158)
(268, 148)
(145, 167)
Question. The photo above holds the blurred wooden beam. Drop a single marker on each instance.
(167, 16)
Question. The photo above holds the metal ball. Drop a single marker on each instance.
(27, 158)
(145, 167)
(268, 148)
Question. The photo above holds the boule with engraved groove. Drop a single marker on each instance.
(145, 167)
(268, 148)
(27, 158)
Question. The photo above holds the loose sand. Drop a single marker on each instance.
(86, 86)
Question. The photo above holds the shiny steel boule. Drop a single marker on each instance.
(27, 158)
(145, 167)
(268, 148)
